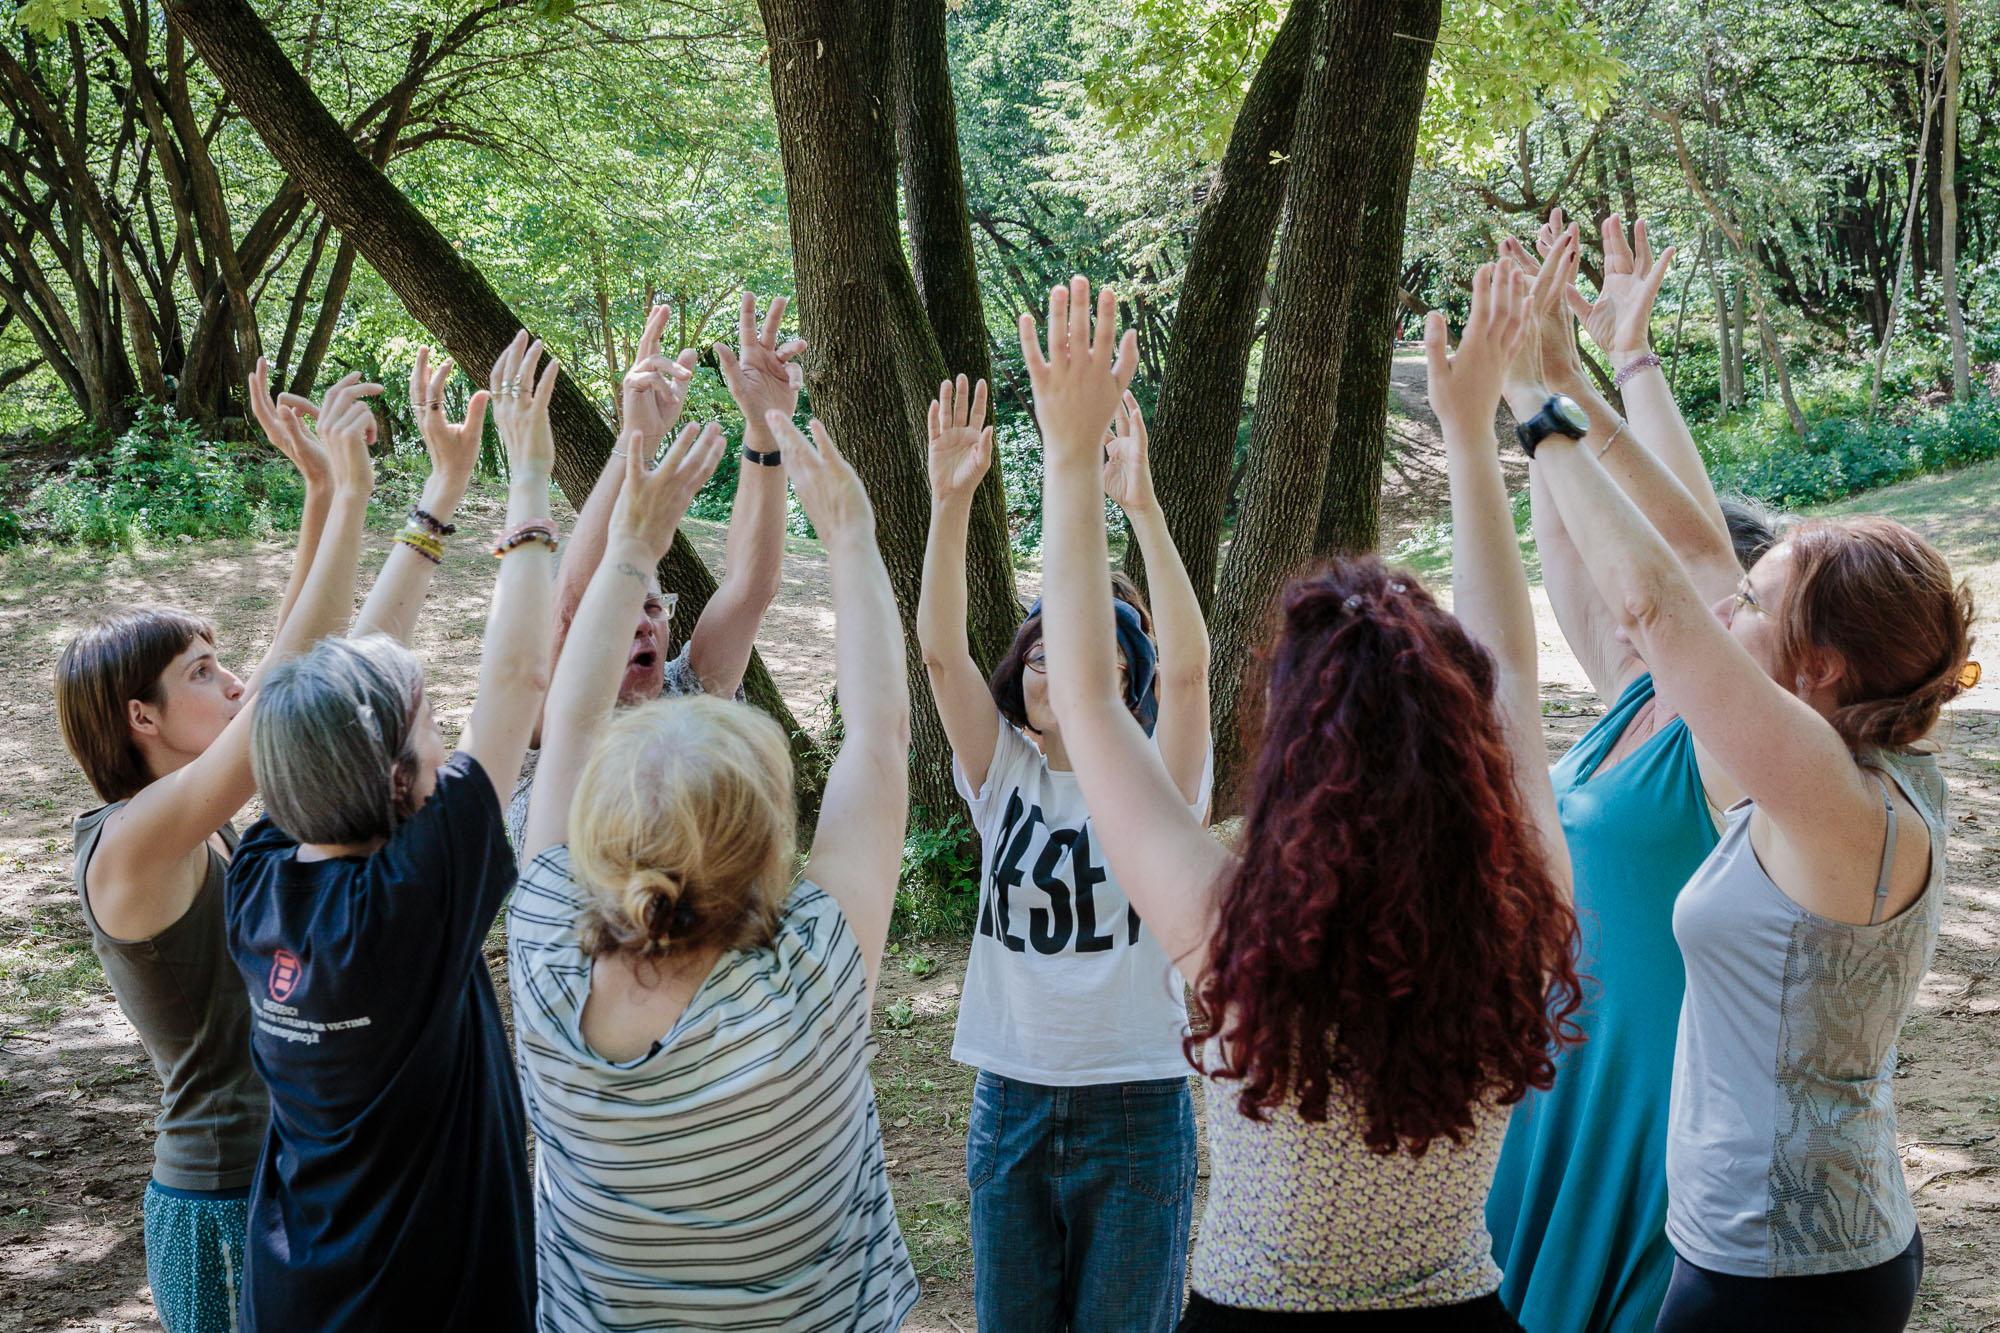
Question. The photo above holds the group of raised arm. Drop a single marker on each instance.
(1412, 1112)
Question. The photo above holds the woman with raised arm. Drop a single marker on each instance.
(162, 731)
(1579, 1202)
(1080, 1149)
(693, 1010)
(1808, 928)
(392, 1190)
(763, 375)
(1386, 965)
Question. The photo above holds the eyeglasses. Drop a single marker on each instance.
(1746, 599)
(667, 601)
(1037, 661)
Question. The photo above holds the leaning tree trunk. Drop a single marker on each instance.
(1350, 513)
(946, 269)
(1961, 364)
(1195, 423)
(1336, 144)
(443, 290)
(875, 361)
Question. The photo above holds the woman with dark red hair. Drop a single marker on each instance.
(1387, 963)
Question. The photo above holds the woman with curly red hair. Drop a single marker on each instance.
(1387, 961)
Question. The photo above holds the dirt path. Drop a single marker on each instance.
(76, 1094)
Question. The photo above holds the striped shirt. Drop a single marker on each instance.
(733, 1176)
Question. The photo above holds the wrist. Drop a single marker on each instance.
(440, 498)
(630, 547)
(1624, 354)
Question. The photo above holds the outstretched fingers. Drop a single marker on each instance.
(774, 318)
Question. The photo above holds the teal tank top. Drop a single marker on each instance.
(1579, 1204)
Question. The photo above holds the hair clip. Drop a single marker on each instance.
(1968, 676)
(1353, 602)
(365, 715)
(1398, 587)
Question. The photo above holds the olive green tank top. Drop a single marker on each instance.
(186, 998)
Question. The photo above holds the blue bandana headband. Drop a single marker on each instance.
(1142, 662)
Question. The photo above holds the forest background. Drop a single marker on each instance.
(1277, 190)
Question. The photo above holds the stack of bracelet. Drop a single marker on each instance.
(541, 530)
(425, 535)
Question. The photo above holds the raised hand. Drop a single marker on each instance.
(655, 389)
(453, 446)
(764, 375)
(346, 429)
(284, 425)
(1546, 358)
(521, 405)
(1620, 320)
(1079, 381)
(1128, 470)
(961, 443)
(653, 500)
(1465, 387)
(827, 487)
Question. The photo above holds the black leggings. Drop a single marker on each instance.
(1485, 1315)
(1866, 1300)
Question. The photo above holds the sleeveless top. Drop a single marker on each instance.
(1781, 1159)
(1579, 1203)
(1302, 1216)
(733, 1176)
(181, 991)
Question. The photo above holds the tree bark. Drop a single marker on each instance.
(1338, 137)
(1350, 514)
(1961, 364)
(1200, 410)
(874, 361)
(444, 291)
(946, 270)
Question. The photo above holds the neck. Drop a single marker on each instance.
(1053, 751)
(333, 851)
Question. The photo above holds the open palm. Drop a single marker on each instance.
(1620, 320)
(961, 443)
(1128, 474)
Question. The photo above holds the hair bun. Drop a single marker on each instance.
(657, 903)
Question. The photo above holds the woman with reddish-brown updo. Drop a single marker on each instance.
(1386, 960)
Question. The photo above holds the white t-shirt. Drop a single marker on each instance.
(1065, 986)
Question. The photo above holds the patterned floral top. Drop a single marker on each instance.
(1302, 1216)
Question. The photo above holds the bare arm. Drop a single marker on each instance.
(1489, 586)
(173, 816)
(284, 426)
(1154, 843)
(764, 378)
(1182, 730)
(585, 687)
(858, 847)
(514, 666)
(392, 604)
(959, 452)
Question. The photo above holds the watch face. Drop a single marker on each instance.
(1569, 414)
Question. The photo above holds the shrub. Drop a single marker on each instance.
(938, 890)
(161, 480)
(1758, 456)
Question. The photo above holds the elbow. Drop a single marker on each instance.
(526, 675)
(1642, 601)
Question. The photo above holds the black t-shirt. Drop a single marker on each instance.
(393, 1188)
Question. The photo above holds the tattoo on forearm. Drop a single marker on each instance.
(627, 567)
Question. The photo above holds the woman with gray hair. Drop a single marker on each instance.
(692, 1009)
(392, 1189)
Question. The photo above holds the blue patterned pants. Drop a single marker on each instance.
(194, 1256)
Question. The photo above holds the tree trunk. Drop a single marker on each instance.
(1902, 255)
(1337, 143)
(1961, 364)
(1200, 409)
(1350, 512)
(445, 292)
(946, 270)
(874, 361)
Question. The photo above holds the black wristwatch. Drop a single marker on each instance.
(1561, 415)
(769, 458)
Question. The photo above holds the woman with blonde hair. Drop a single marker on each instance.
(693, 1021)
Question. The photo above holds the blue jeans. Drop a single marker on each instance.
(1082, 1199)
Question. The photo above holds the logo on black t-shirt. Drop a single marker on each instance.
(285, 971)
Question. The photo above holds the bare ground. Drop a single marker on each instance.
(77, 1096)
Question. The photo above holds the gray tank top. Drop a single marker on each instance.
(188, 1002)
(1781, 1140)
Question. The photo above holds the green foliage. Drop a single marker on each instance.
(938, 891)
(47, 18)
(160, 481)
(1755, 454)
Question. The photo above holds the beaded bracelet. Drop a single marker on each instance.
(424, 519)
(768, 458)
(534, 530)
(423, 543)
(1633, 367)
